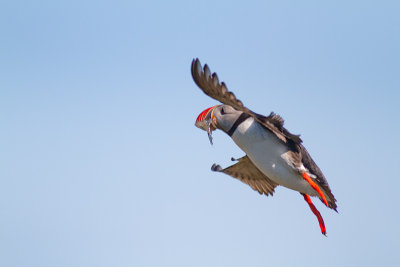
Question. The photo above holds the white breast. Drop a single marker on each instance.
(269, 155)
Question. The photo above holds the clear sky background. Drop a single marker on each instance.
(101, 164)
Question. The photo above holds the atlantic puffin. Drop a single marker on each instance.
(274, 156)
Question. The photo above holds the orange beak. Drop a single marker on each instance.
(206, 119)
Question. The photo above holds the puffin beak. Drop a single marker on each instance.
(206, 120)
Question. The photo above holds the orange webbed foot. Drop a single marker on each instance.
(315, 187)
(316, 212)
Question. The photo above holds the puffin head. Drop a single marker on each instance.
(220, 117)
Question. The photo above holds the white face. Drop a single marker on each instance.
(225, 117)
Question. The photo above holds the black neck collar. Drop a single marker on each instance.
(244, 116)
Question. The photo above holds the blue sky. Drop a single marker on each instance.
(101, 164)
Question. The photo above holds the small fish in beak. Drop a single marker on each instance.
(207, 122)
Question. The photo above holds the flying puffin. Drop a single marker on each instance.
(274, 156)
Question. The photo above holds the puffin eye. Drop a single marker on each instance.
(222, 111)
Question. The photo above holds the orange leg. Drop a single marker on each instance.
(316, 212)
(315, 186)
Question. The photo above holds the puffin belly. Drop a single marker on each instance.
(269, 155)
(278, 170)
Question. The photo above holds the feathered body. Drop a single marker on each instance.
(270, 156)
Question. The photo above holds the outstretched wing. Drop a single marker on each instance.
(247, 172)
(210, 85)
